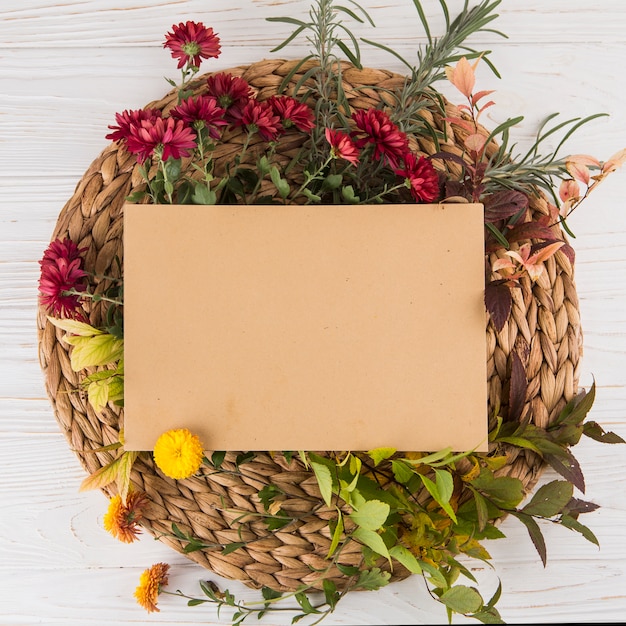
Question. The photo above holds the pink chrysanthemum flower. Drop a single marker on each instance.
(62, 271)
(258, 117)
(231, 92)
(292, 113)
(390, 144)
(342, 146)
(127, 119)
(191, 42)
(201, 112)
(420, 177)
(165, 137)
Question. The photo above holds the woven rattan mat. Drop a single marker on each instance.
(543, 331)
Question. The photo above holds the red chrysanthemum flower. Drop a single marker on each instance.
(342, 146)
(231, 92)
(61, 249)
(165, 137)
(201, 112)
(126, 119)
(191, 42)
(62, 271)
(292, 113)
(420, 176)
(390, 144)
(258, 117)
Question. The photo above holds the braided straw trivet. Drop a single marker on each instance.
(543, 330)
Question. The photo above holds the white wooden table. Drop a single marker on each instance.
(65, 69)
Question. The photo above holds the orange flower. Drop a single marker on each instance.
(121, 519)
(150, 584)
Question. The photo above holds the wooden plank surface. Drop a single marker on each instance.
(65, 69)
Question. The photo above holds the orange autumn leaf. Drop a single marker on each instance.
(462, 76)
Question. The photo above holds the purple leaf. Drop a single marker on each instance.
(498, 301)
(503, 204)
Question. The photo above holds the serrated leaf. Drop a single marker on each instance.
(98, 394)
(372, 579)
(462, 599)
(593, 430)
(96, 350)
(498, 302)
(574, 524)
(550, 499)
(504, 204)
(371, 515)
(443, 499)
(401, 471)
(566, 464)
(535, 533)
(378, 455)
(405, 557)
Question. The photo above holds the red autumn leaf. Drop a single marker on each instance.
(531, 230)
(503, 204)
(518, 386)
(498, 301)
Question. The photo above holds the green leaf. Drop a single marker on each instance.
(462, 599)
(550, 499)
(372, 540)
(123, 472)
(280, 183)
(406, 558)
(305, 603)
(231, 547)
(332, 181)
(371, 515)
(576, 409)
(506, 491)
(431, 458)
(440, 498)
(203, 195)
(331, 595)
(336, 534)
(324, 481)
(401, 471)
(380, 454)
(348, 195)
(574, 524)
(593, 430)
(372, 579)
(310, 195)
(217, 458)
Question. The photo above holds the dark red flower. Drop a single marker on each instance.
(61, 249)
(126, 119)
(231, 92)
(375, 127)
(421, 176)
(258, 117)
(61, 271)
(201, 112)
(191, 42)
(342, 146)
(165, 137)
(292, 113)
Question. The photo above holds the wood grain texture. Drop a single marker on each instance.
(65, 69)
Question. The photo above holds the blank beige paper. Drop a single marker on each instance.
(306, 327)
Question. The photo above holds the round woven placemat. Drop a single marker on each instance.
(543, 331)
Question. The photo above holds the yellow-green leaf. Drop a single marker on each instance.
(380, 454)
(372, 540)
(96, 350)
(102, 477)
(462, 599)
(371, 515)
(98, 394)
(336, 535)
(324, 480)
(406, 558)
(75, 327)
(123, 473)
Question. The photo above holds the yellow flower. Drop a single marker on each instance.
(178, 453)
(150, 584)
(121, 519)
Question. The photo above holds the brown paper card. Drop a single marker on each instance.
(306, 327)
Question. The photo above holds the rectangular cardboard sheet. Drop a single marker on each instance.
(342, 327)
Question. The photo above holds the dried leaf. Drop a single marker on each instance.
(518, 386)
